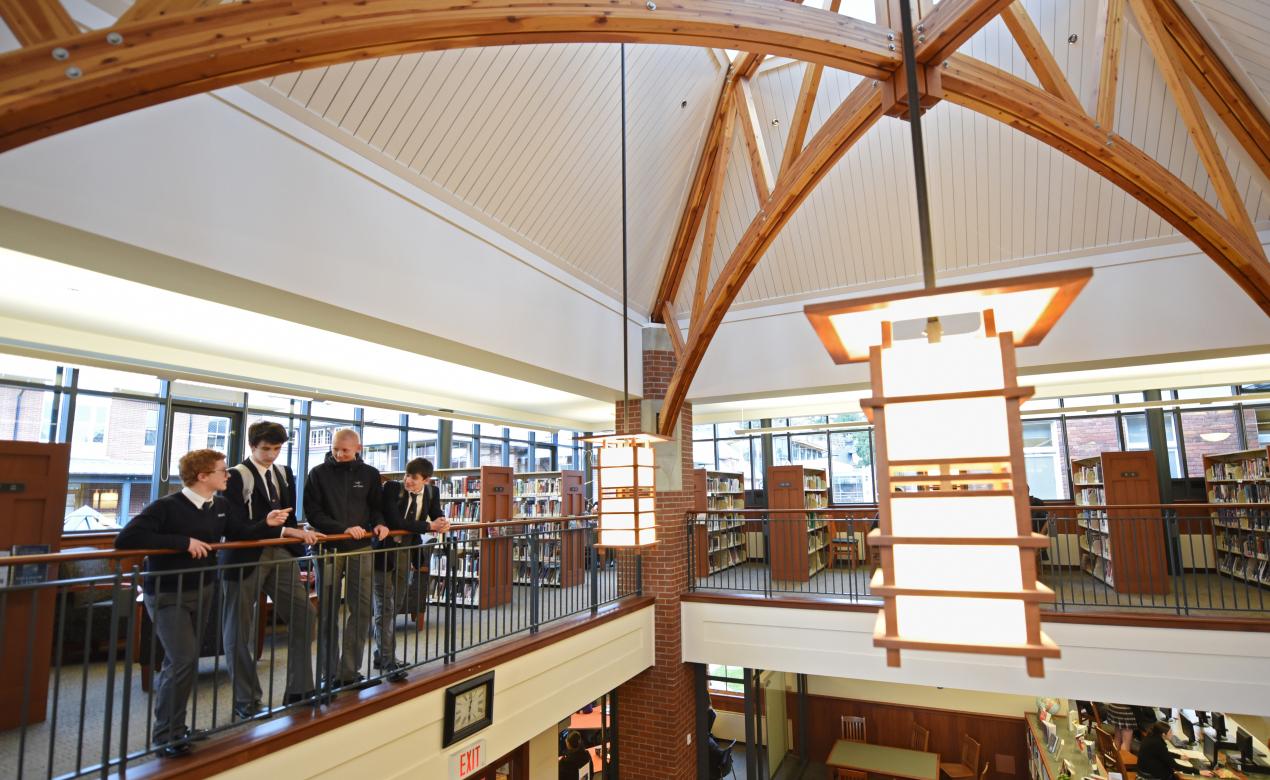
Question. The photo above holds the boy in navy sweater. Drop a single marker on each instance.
(178, 587)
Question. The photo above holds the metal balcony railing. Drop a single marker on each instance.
(82, 674)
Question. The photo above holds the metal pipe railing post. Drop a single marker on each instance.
(535, 587)
(111, 654)
(595, 575)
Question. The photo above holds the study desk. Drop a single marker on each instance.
(883, 760)
(587, 722)
(1046, 765)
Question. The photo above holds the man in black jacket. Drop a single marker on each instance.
(410, 505)
(342, 496)
(178, 588)
(258, 487)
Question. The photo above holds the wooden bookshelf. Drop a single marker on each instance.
(548, 494)
(561, 548)
(718, 541)
(1124, 548)
(798, 542)
(1241, 537)
(482, 558)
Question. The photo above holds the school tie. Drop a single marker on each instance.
(410, 509)
(271, 490)
(207, 507)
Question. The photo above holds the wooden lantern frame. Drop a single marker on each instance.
(644, 522)
(1000, 473)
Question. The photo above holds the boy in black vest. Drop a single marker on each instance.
(411, 505)
(179, 603)
(258, 487)
(342, 496)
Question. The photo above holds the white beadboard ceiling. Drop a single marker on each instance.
(526, 139)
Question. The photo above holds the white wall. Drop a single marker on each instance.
(954, 699)
(1208, 670)
(201, 180)
(1157, 300)
(531, 694)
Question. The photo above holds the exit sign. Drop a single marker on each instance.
(466, 763)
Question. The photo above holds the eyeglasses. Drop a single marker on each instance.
(221, 470)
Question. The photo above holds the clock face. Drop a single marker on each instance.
(469, 707)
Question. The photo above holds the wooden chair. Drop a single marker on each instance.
(984, 774)
(969, 760)
(854, 729)
(920, 739)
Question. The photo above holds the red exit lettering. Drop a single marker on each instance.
(470, 761)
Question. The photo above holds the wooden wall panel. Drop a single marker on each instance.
(1001, 739)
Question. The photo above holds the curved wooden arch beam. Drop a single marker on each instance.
(1002, 96)
(859, 112)
(168, 57)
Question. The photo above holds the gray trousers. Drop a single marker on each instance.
(179, 620)
(340, 658)
(390, 589)
(278, 575)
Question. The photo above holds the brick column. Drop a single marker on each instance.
(656, 709)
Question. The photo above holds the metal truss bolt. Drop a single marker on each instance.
(891, 47)
(73, 72)
(650, 5)
(890, 36)
(61, 54)
(114, 38)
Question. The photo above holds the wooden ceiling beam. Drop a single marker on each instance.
(1167, 59)
(714, 200)
(672, 330)
(1111, 39)
(952, 23)
(1011, 100)
(34, 22)
(149, 9)
(186, 54)
(752, 131)
(801, 117)
(1038, 55)
(695, 206)
(860, 111)
(1218, 85)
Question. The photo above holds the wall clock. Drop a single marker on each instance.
(469, 707)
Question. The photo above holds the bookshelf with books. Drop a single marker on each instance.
(799, 542)
(1241, 536)
(561, 556)
(482, 563)
(719, 538)
(1123, 548)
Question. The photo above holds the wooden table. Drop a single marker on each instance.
(882, 760)
(586, 722)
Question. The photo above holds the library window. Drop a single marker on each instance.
(1044, 458)
(725, 679)
(519, 459)
(92, 415)
(735, 456)
(462, 451)
(810, 449)
(1257, 426)
(151, 436)
(218, 434)
(28, 370)
(381, 447)
(851, 467)
(1208, 432)
(25, 413)
(493, 452)
(703, 454)
(1090, 436)
(543, 458)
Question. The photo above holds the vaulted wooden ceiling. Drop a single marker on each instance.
(526, 138)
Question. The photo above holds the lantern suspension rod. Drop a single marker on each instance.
(919, 150)
(626, 363)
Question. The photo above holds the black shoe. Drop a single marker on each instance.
(396, 672)
(296, 698)
(248, 711)
(387, 667)
(174, 749)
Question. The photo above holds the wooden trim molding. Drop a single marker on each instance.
(33, 22)
(278, 733)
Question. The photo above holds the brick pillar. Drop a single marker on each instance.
(657, 708)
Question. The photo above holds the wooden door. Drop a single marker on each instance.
(33, 481)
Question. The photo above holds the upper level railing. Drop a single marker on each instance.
(86, 673)
(1179, 559)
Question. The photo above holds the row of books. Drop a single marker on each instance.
(1239, 493)
(817, 560)
(1248, 468)
(466, 594)
(548, 549)
(724, 502)
(464, 510)
(1098, 568)
(465, 566)
(548, 574)
(1244, 568)
(1087, 473)
(816, 501)
(727, 539)
(533, 486)
(723, 484)
(1096, 543)
(1249, 545)
(813, 481)
(1246, 519)
(726, 558)
(1093, 521)
(537, 507)
(1090, 496)
(459, 486)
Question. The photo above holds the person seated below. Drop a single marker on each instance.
(576, 761)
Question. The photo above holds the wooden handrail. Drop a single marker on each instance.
(870, 508)
(67, 557)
